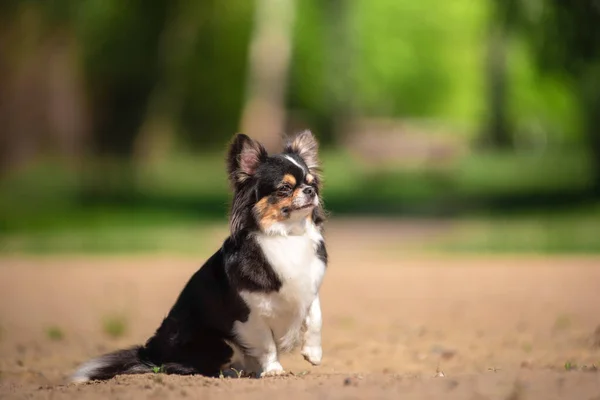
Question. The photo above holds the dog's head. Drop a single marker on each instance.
(272, 193)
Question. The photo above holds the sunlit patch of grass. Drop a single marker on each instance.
(174, 205)
(119, 238)
(572, 231)
(115, 325)
(527, 347)
(563, 322)
(54, 333)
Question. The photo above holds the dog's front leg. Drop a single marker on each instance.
(261, 350)
(311, 340)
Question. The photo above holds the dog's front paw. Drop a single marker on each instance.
(273, 369)
(312, 354)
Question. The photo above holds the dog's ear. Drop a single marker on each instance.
(305, 145)
(244, 157)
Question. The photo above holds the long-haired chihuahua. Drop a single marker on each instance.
(257, 296)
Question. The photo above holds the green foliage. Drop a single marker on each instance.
(540, 233)
(159, 370)
(387, 58)
(403, 59)
(308, 84)
(180, 67)
(564, 39)
(406, 68)
(212, 76)
(178, 210)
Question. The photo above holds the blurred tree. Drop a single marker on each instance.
(307, 97)
(565, 36)
(213, 73)
(497, 130)
(119, 45)
(264, 113)
(385, 58)
(340, 99)
(323, 89)
(41, 107)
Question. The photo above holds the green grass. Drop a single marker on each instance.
(54, 333)
(158, 370)
(120, 238)
(571, 231)
(569, 366)
(563, 322)
(180, 204)
(115, 325)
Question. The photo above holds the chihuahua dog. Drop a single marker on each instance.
(257, 296)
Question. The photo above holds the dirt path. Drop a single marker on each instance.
(494, 327)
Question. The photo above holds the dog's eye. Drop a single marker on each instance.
(284, 190)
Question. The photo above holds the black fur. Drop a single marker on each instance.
(127, 361)
(247, 268)
(322, 252)
(193, 333)
(192, 338)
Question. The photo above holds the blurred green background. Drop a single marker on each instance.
(115, 114)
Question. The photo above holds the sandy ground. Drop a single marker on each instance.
(396, 325)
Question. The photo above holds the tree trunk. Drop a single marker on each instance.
(496, 132)
(594, 140)
(120, 91)
(339, 63)
(591, 108)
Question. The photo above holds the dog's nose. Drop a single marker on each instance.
(309, 191)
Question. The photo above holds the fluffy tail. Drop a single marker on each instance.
(128, 361)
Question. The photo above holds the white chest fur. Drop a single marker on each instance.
(300, 270)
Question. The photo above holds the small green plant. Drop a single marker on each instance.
(563, 322)
(115, 326)
(569, 366)
(221, 375)
(238, 373)
(158, 370)
(55, 333)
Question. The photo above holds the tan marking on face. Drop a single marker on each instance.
(289, 179)
(268, 213)
(310, 179)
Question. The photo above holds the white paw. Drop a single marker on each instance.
(312, 354)
(273, 369)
